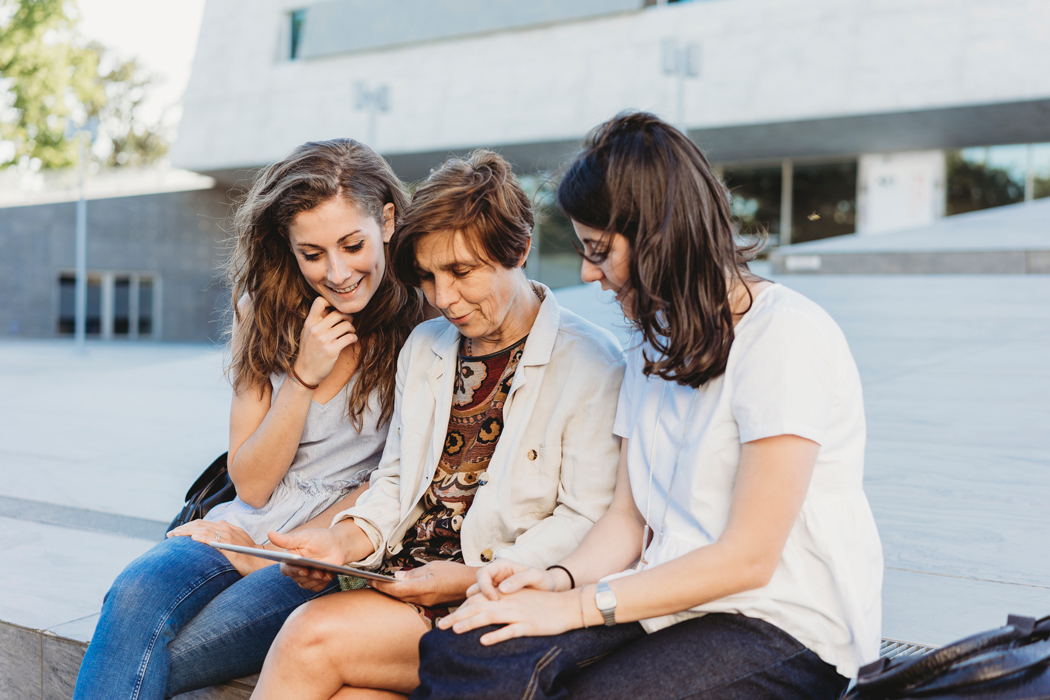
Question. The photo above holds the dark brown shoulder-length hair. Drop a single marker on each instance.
(263, 270)
(477, 196)
(639, 176)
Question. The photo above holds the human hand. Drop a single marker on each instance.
(527, 613)
(436, 583)
(504, 576)
(320, 544)
(325, 333)
(206, 532)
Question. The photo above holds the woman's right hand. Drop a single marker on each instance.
(320, 544)
(504, 576)
(325, 333)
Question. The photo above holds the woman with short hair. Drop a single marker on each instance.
(739, 558)
(319, 322)
(502, 446)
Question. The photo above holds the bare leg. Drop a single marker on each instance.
(362, 639)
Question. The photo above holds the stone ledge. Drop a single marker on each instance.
(39, 665)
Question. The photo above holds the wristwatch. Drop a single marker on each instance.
(605, 599)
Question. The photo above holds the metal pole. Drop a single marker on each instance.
(80, 320)
(787, 177)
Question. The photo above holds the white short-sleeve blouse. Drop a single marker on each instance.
(790, 371)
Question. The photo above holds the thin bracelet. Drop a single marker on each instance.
(583, 618)
(296, 377)
(572, 581)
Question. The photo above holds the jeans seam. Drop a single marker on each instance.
(141, 675)
(545, 660)
(744, 675)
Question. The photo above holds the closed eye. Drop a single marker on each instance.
(355, 247)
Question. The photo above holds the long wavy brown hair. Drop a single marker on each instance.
(639, 176)
(263, 269)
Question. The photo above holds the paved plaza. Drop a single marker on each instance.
(97, 450)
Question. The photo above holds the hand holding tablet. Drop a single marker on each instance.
(296, 560)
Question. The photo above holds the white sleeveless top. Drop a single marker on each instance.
(790, 372)
(332, 459)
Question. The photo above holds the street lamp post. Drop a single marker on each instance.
(681, 61)
(84, 137)
(375, 101)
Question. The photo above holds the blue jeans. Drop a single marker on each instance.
(179, 618)
(718, 656)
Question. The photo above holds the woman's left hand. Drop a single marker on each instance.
(527, 613)
(206, 531)
(436, 583)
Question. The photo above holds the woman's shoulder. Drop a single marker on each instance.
(577, 335)
(779, 309)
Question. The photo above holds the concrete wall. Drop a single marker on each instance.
(176, 236)
(763, 62)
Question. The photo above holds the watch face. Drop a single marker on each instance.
(605, 600)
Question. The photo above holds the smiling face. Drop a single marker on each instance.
(482, 299)
(607, 259)
(340, 251)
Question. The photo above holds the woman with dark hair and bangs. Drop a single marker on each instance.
(739, 558)
(502, 445)
(317, 328)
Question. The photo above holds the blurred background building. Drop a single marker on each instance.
(824, 117)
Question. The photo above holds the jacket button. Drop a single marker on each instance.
(486, 556)
(531, 455)
(483, 478)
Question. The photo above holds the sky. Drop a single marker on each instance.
(161, 34)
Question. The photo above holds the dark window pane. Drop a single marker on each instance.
(67, 304)
(145, 306)
(756, 198)
(982, 178)
(296, 19)
(824, 201)
(94, 306)
(1041, 170)
(121, 305)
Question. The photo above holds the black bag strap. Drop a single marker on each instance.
(883, 678)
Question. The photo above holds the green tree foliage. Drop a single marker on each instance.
(48, 78)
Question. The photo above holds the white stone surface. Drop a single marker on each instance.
(1024, 226)
(762, 61)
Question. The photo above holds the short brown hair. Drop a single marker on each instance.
(478, 196)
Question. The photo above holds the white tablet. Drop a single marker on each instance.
(296, 560)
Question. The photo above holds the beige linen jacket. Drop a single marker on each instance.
(553, 471)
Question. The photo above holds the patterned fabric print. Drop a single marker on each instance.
(474, 428)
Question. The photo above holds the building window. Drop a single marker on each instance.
(295, 34)
(982, 178)
(118, 305)
(755, 202)
(553, 259)
(67, 304)
(1039, 170)
(824, 201)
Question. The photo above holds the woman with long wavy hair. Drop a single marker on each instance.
(739, 557)
(318, 325)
